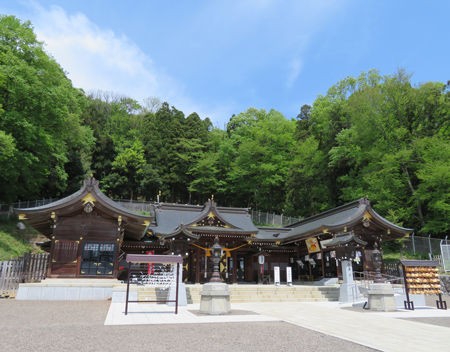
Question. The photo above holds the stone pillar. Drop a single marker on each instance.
(349, 290)
(198, 260)
(182, 297)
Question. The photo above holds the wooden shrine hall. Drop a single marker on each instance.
(89, 234)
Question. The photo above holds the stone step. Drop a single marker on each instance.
(252, 293)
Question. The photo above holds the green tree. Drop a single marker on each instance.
(383, 148)
(40, 111)
(128, 172)
(172, 145)
(263, 143)
(433, 191)
(306, 191)
(210, 169)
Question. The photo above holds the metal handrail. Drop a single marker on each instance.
(365, 278)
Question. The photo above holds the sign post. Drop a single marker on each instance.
(261, 259)
(289, 275)
(276, 275)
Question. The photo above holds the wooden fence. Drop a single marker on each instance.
(29, 268)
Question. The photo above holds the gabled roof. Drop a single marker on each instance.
(172, 219)
(356, 213)
(210, 220)
(89, 193)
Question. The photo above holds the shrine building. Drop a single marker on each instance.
(89, 234)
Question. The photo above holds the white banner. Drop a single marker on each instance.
(289, 275)
(276, 275)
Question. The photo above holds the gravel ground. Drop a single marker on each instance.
(78, 326)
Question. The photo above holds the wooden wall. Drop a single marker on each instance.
(69, 237)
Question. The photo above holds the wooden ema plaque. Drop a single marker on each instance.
(422, 278)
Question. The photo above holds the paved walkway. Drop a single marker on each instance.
(74, 326)
(385, 331)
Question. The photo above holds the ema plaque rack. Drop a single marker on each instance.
(421, 277)
(152, 259)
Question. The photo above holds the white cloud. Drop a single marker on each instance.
(295, 68)
(95, 58)
(99, 59)
(245, 41)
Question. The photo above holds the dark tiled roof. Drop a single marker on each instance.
(337, 218)
(328, 219)
(89, 185)
(39, 217)
(169, 218)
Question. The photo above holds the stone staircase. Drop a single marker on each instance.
(254, 293)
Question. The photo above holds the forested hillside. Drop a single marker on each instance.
(371, 136)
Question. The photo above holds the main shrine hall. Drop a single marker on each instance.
(88, 236)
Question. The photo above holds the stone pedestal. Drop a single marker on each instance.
(215, 298)
(381, 297)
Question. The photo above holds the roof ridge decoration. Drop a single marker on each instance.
(210, 217)
(90, 182)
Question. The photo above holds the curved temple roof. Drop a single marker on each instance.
(356, 213)
(41, 217)
(172, 219)
(209, 219)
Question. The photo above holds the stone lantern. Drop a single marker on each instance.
(216, 251)
(377, 263)
(215, 296)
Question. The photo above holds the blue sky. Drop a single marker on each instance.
(219, 58)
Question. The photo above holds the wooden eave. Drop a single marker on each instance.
(364, 213)
(41, 219)
(220, 231)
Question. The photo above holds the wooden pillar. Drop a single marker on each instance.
(198, 259)
(50, 257)
(235, 264)
(248, 268)
(323, 263)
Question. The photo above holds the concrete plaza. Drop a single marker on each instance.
(321, 326)
(424, 329)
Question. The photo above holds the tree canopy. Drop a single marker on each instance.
(371, 136)
(39, 117)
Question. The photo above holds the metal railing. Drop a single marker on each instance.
(272, 219)
(422, 245)
(365, 278)
(259, 218)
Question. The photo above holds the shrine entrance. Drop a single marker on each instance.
(97, 259)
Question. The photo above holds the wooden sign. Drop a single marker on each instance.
(312, 244)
